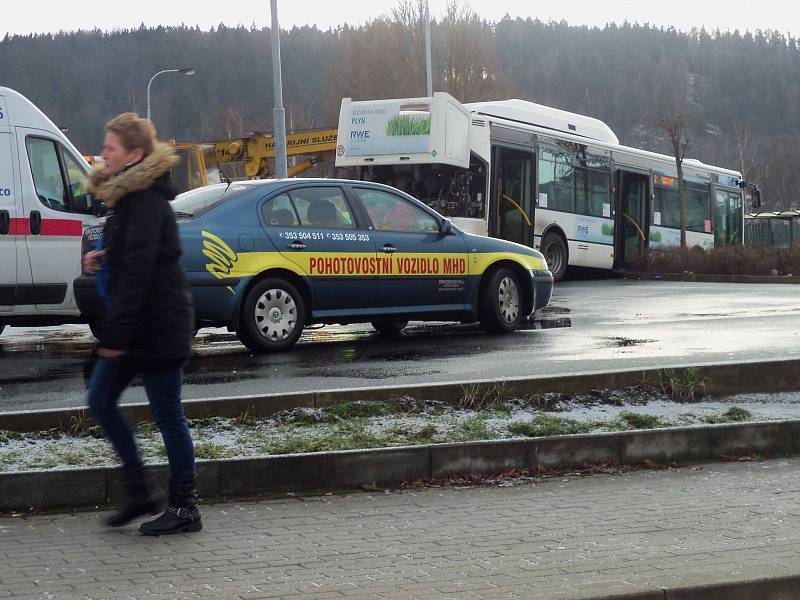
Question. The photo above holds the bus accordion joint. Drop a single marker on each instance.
(519, 208)
(635, 224)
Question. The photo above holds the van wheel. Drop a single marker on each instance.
(273, 316)
(556, 254)
(389, 327)
(500, 302)
(95, 328)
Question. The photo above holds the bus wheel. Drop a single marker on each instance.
(500, 302)
(389, 327)
(556, 254)
(273, 316)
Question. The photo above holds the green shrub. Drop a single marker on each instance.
(722, 260)
(472, 428)
(735, 414)
(547, 425)
(359, 409)
(630, 420)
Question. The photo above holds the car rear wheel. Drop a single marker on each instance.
(273, 316)
(389, 327)
(556, 254)
(500, 305)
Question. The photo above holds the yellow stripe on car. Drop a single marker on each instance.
(480, 261)
(367, 264)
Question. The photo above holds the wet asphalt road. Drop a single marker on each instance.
(589, 326)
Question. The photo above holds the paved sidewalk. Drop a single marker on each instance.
(570, 537)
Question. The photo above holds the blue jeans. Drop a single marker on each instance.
(109, 378)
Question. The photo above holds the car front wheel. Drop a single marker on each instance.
(273, 316)
(500, 308)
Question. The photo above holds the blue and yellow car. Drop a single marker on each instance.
(267, 258)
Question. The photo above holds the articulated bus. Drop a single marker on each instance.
(539, 176)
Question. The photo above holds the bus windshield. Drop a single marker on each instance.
(451, 191)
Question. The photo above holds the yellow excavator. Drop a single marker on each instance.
(205, 163)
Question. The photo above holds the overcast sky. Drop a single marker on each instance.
(55, 15)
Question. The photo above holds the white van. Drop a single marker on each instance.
(44, 208)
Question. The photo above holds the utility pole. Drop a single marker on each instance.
(428, 47)
(278, 114)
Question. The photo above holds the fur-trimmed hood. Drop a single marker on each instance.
(110, 188)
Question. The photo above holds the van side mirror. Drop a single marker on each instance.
(99, 209)
(5, 222)
(446, 227)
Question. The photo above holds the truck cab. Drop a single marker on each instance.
(44, 207)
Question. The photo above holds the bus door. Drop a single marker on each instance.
(631, 218)
(728, 217)
(512, 194)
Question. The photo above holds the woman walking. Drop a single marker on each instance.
(149, 324)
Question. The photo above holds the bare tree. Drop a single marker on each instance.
(409, 18)
(674, 125)
(745, 150)
(468, 57)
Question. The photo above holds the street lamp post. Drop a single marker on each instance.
(278, 114)
(428, 50)
(184, 71)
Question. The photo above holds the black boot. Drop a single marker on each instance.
(182, 514)
(142, 497)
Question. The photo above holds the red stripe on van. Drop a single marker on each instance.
(62, 227)
(67, 227)
(18, 227)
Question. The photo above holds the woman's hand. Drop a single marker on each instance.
(109, 353)
(92, 261)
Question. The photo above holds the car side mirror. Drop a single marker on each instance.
(446, 227)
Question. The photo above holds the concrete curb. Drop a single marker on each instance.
(719, 379)
(709, 278)
(356, 469)
(778, 588)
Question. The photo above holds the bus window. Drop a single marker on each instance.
(592, 192)
(698, 207)
(556, 181)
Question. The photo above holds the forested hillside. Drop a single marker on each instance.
(740, 93)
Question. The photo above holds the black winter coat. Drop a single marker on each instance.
(150, 316)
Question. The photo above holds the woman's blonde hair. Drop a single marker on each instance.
(133, 131)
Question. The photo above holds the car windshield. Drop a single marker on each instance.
(194, 201)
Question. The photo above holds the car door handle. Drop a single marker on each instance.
(297, 245)
(389, 249)
(35, 222)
